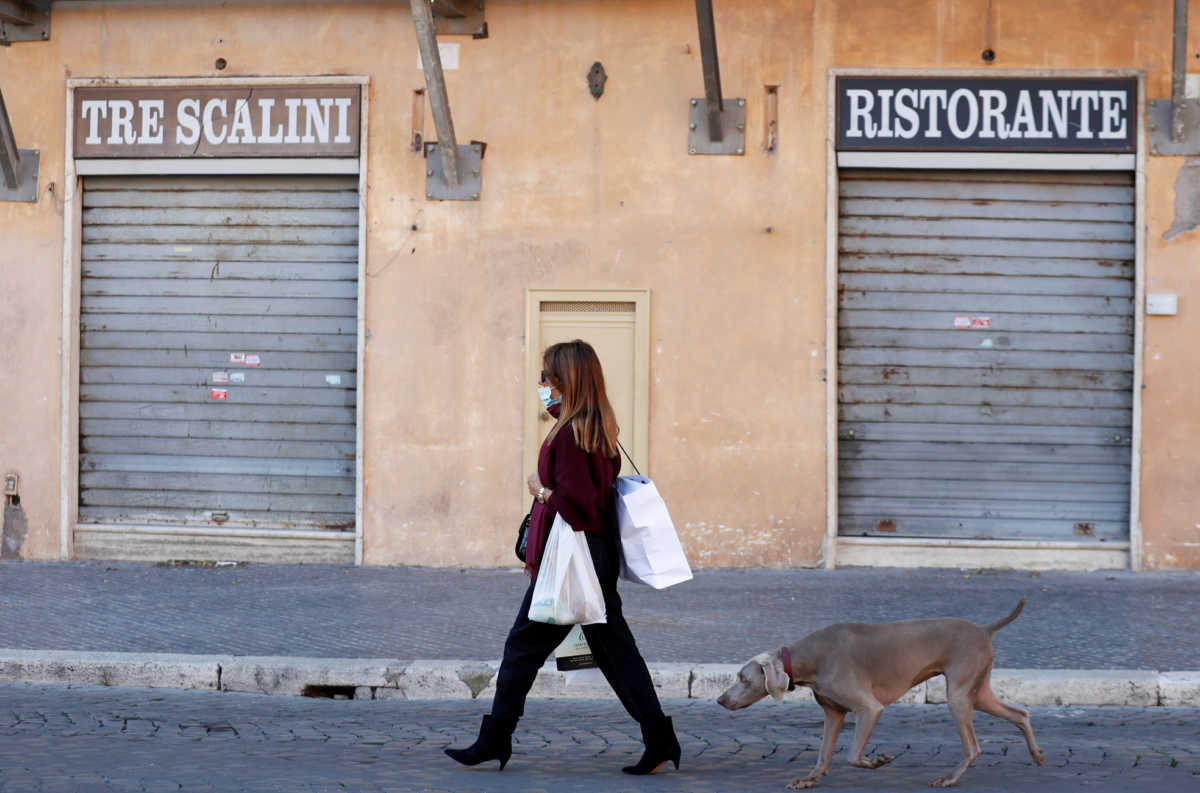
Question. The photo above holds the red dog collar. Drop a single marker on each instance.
(787, 667)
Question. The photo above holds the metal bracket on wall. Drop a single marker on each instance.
(470, 173)
(459, 18)
(1160, 118)
(24, 21)
(733, 128)
(18, 167)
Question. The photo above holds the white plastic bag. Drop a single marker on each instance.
(650, 549)
(567, 591)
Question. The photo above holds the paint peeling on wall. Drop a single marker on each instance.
(1187, 199)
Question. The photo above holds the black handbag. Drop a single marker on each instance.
(523, 534)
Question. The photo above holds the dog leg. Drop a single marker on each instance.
(833, 727)
(961, 708)
(988, 702)
(865, 719)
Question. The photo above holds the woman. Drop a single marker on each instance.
(577, 466)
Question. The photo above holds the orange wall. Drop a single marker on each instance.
(583, 194)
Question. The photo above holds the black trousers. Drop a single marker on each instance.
(529, 644)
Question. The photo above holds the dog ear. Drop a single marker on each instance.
(776, 678)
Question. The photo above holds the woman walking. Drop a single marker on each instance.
(577, 466)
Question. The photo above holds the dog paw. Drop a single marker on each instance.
(876, 761)
(800, 783)
(942, 782)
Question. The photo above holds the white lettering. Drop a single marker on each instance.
(97, 109)
(994, 103)
(1082, 99)
(210, 132)
(293, 106)
(265, 106)
(1112, 114)
(906, 111)
(932, 98)
(343, 103)
(1054, 111)
(885, 113)
(242, 130)
(122, 122)
(1024, 125)
(972, 113)
(152, 110)
(861, 102)
(316, 120)
(188, 130)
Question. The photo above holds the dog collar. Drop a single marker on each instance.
(787, 667)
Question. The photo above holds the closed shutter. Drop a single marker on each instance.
(218, 351)
(985, 332)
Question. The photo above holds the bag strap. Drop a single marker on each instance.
(630, 459)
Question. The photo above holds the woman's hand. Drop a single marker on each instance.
(534, 483)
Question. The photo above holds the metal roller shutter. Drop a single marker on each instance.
(985, 332)
(218, 352)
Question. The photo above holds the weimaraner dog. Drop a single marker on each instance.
(859, 668)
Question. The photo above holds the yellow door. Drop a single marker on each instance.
(615, 324)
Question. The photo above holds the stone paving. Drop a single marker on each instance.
(104, 740)
(1113, 620)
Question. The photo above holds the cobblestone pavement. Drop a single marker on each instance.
(1073, 620)
(93, 740)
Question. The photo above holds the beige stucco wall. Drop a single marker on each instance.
(584, 194)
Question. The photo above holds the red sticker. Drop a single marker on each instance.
(981, 322)
(219, 393)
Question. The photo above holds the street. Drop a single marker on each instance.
(93, 739)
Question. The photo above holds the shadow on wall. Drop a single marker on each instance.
(15, 529)
(1187, 199)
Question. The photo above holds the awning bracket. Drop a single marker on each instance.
(1175, 122)
(18, 167)
(715, 125)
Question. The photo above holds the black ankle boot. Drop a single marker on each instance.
(661, 746)
(494, 743)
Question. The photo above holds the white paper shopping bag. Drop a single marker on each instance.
(650, 548)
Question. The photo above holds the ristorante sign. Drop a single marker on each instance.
(217, 121)
(1085, 114)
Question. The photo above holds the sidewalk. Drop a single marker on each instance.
(432, 632)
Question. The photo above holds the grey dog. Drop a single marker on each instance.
(859, 668)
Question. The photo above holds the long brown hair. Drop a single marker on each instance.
(574, 368)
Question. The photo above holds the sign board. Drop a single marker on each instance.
(217, 121)
(1016, 114)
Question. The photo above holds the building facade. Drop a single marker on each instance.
(923, 299)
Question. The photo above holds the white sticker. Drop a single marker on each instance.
(449, 56)
(220, 377)
(962, 322)
(183, 248)
(253, 360)
(219, 393)
(237, 377)
(333, 379)
(237, 357)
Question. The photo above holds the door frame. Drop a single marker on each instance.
(312, 545)
(1019, 554)
(641, 362)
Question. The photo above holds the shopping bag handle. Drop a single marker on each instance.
(630, 459)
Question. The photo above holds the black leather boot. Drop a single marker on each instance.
(661, 746)
(494, 743)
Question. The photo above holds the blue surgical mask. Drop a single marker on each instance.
(544, 395)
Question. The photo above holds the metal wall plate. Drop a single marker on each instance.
(461, 18)
(37, 12)
(27, 179)
(1159, 118)
(470, 173)
(733, 125)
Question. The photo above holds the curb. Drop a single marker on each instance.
(387, 678)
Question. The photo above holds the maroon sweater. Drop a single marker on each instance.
(581, 485)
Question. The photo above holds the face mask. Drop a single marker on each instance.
(544, 395)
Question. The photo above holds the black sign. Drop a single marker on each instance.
(1056, 114)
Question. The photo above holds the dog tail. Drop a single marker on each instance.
(1000, 623)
